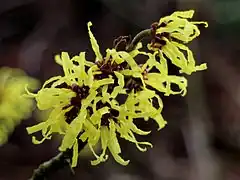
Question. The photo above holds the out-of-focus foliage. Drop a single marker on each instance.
(227, 12)
(14, 107)
(227, 18)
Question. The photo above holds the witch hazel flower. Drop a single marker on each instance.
(86, 104)
(171, 34)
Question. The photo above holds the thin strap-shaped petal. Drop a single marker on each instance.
(94, 44)
(86, 102)
(129, 59)
(114, 146)
(58, 59)
(115, 56)
(35, 141)
(90, 78)
(102, 82)
(130, 137)
(29, 94)
(75, 154)
(73, 130)
(160, 121)
(94, 162)
(104, 141)
(81, 67)
(191, 61)
(36, 128)
(184, 14)
(65, 63)
(136, 51)
(52, 79)
(137, 130)
(96, 117)
(200, 22)
(120, 78)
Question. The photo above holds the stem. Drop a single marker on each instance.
(54, 164)
(138, 38)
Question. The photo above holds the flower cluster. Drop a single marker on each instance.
(85, 103)
(170, 35)
(13, 106)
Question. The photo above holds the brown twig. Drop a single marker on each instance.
(54, 164)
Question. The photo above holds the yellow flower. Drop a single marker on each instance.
(13, 106)
(170, 35)
(84, 102)
(119, 118)
(160, 80)
(67, 97)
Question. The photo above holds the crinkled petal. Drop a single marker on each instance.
(114, 146)
(160, 121)
(94, 44)
(75, 154)
(102, 82)
(51, 97)
(180, 27)
(104, 141)
(97, 115)
(73, 130)
(129, 59)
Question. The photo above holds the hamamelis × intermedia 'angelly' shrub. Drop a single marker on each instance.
(85, 104)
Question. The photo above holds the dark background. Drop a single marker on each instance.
(202, 138)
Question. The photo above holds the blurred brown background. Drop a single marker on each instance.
(202, 138)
